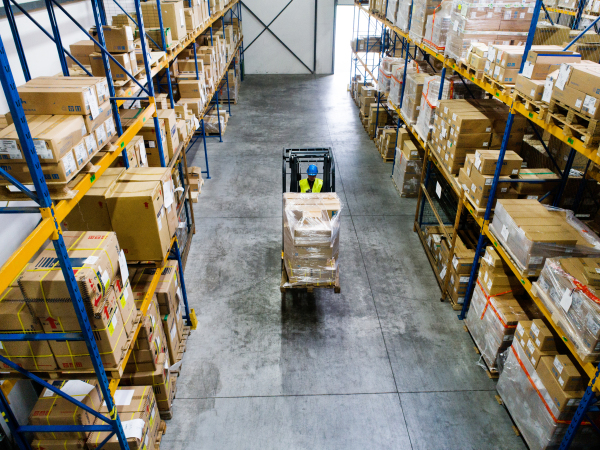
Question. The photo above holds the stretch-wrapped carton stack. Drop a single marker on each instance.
(494, 310)
(568, 287)
(531, 233)
(311, 228)
(542, 395)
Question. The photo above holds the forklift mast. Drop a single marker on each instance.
(294, 158)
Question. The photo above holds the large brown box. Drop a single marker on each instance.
(486, 161)
(58, 99)
(170, 118)
(52, 409)
(566, 401)
(91, 212)
(173, 17)
(16, 317)
(127, 60)
(148, 132)
(138, 217)
(81, 51)
(117, 39)
(565, 372)
(541, 335)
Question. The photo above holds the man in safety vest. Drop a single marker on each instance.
(312, 183)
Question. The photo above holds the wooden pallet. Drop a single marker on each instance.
(309, 286)
(493, 373)
(505, 89)
(574, 123)
(514, 426)
(536, 109)
(183, 344)
(474, 73)
(162, 429)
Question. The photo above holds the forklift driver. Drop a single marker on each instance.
(312, 183)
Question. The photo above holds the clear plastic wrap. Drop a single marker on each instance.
(212, 125)
(429, 102)
(532, 232)
(411, 104)
(407, 175)
(489, 23)
(420, 11)
(531, 406)
(574, 306)
(403, 14)
(396, 80)
(492, 321)
(392, 10)
(437, 26)
(311, 226)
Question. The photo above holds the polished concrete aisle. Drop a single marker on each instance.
(383, 365)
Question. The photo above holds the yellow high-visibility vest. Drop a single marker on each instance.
(305, 187)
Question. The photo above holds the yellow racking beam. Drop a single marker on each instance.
(38, 237)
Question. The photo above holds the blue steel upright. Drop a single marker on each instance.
(47, 211)
(17, 38)
(150, 85)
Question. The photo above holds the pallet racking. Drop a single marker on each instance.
(435, 171)
(54, 212)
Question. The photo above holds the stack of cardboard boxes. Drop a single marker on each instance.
(138, 204)
(120, 44)
(541, 388)
(531, 233)
(196, 182)
(311, 226)
(494, 311)
(35, 302)
(70, 120)
(568, 287)
(386, 143)
(137, 409)
(408, 165)
(463, 126)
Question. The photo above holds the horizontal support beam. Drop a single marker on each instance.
(41, 336)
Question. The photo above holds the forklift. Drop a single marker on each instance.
(295, 162)
(298, 159)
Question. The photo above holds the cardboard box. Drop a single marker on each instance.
(173, 17)
(54, 173)
(95, 255)
(148, 132)
(540, 63)
(58, 100)
(138, 217)
(541, 336)
(16, 317)
(532, 89)
(534, 354)
(192, 89)
(522, 332)
(170, 118)
(142, 432)
(565, 372)
(98, 85)
(127, 60)
(117, 39)
(486, 160)
(81, 51)
(52, 409)
(91, 212)
(538, 189)
(57, 136)
(565, 401)
(159, 380)
(409, 150)
(162, 174)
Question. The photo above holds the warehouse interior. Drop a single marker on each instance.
(165, 291)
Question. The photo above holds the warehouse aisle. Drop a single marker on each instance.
(383, 365)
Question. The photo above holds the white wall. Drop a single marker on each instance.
(42, 58)
(40, 51)
(295, 27)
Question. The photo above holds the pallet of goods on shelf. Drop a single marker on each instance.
(411, 103)
(494, 310)
(472, 22)
(408, 165)
(530, 233)
(540, 405)
(36, 304)
(70, 120)
(438, 26)
(421, 11)
(567, 288)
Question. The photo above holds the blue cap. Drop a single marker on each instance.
(312, 171)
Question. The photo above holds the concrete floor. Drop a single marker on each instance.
(383, 365)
